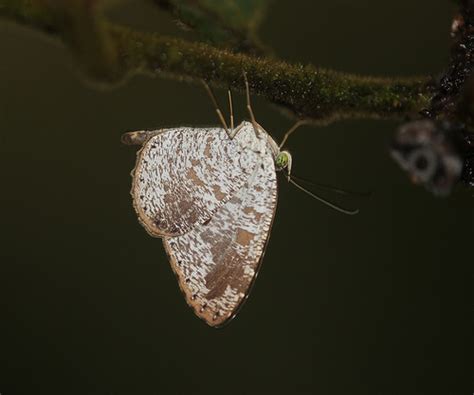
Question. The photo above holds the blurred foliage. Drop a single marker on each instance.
(80, 26)
(232, 23)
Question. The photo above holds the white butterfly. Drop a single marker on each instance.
(211, 195)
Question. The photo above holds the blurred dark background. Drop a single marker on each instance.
(377, 304)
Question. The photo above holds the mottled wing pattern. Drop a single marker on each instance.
(184, 175)
(217, 262)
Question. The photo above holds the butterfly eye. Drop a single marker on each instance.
(282, 160)
(423, 163)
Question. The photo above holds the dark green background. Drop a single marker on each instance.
(375, 304)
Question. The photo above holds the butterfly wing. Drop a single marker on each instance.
(217, 261)
(182, 176)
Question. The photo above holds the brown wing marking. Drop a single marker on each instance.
(216, 263)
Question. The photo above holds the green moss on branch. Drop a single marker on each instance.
(307, 91)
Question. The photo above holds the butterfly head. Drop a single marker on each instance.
(283, 161)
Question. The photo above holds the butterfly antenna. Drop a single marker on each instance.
(299, 123)
(216, 106)
(320, 199)
(331, 188)
(249, 104)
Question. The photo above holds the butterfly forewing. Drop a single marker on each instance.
(217, 261)
(184, 175)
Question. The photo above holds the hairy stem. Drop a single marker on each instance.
(307, 91)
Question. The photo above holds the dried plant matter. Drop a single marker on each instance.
(437, 151)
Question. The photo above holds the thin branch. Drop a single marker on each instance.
(308, 92)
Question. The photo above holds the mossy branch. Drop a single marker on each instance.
(110, 53)
(307, 91)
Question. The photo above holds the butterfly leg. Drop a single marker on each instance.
(139, 137)
(291, 131)
(218, 110)
(249, 106)
(231, 110)
(233, 131)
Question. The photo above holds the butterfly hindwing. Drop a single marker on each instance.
(217, 261)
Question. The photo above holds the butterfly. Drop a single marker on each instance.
(210, 194)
